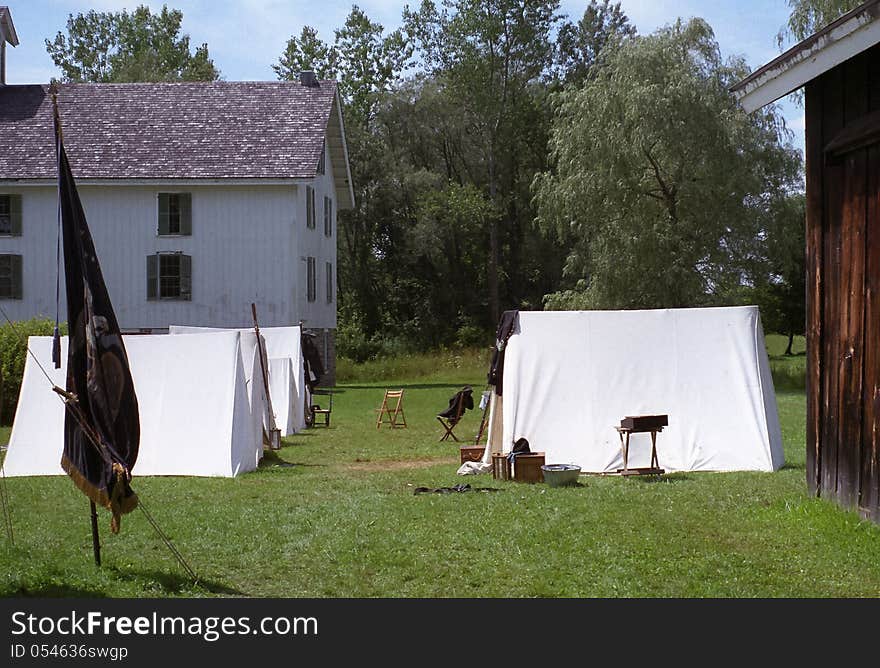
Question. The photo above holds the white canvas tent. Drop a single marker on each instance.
(286, 381)
(570, 377)
(192, 399)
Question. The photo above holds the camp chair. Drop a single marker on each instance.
(459, 402)
(317, 410)
(396, 397)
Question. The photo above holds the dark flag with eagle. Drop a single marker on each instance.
(101, 423)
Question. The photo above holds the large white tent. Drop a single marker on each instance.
(192, 399)
(286, 379)
(570, 377)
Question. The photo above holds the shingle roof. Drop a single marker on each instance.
(216, 130)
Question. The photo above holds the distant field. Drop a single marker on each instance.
(334, 515)
(789, 371)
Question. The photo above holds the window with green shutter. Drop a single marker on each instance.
(175, 214)
(10, 215)
(169, 276)
(311, 287)
(10, 277)
(152, 277)
(310, 207)
(328, 217)
(329, 268)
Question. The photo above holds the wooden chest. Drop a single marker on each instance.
(472, 453)
(527, 468)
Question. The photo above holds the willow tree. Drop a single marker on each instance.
(809, 16)
(662, 185)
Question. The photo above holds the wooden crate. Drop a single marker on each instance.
(500, 466)
(527, 468)
(472, 453)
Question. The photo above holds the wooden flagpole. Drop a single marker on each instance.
(96, 542)
(59, 139)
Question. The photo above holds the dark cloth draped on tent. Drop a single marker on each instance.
(314, 368)
(506, 328)
(105, 409)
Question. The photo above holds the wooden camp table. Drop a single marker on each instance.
(641, 424)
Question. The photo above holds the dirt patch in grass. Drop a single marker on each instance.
(396, 464)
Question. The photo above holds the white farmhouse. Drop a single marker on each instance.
(201, 197)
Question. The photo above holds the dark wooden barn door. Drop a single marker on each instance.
(870, 464)
(843, 260)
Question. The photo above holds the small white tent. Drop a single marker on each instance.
(286, 381)
(570, 377)
(192, 399)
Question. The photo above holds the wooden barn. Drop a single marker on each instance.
(839, 68)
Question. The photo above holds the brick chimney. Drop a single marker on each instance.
(308, 79)
(7, 34)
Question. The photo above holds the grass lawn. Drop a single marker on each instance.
(333, 514)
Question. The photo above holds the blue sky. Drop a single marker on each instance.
(246, 36)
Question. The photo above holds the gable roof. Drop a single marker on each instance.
(854, 32)
(7, 29)
(181, 130)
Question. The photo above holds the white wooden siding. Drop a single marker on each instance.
(246, 246)
(313, 243)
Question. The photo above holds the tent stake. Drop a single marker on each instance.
(274, 435)
(96, 541)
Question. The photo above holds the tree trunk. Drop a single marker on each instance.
(494, 295)
(790, 342)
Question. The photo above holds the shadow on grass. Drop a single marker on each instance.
(54, 591)
(271, 460)
(571, 485)
(290, 440)
(174, 583)
(788, 466)
(291, 465)
(654, 479)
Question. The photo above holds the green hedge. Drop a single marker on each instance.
(13, 350)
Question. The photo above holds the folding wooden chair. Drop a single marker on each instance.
(458, 404)
(396, 397)
(317, 410)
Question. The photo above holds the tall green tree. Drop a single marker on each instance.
(367, 62)
(579, 45)
(307, 53)
(365, 59)
(662, 185)
(447, 124)
(490, 56)
(115, 47)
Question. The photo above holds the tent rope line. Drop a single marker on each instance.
(69, 399)
(4, 500)
(168, 543)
